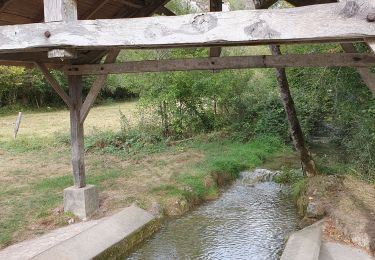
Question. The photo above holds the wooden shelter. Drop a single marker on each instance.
(84, 37)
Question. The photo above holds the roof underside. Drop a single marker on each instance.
(31, 11)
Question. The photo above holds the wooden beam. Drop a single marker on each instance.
(135, 3)
(215, 6)
(291, 25)
(4, 4)
(96, 7)
(96, 87)
(149, 9)
(60, 11)
(366, 74)
(54, 84)
(77, 132)
(264, 61)
(309, 2)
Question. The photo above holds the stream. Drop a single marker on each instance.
(251, 220)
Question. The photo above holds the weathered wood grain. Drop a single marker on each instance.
(244, 62)
(60, 10)
(77, 132)
(321, 23)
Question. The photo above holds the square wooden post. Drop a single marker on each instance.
(77, 131)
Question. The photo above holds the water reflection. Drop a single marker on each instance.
(250, 221)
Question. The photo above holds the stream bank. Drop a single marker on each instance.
(348, 204)
(251, 220)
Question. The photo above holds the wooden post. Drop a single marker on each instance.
(17, 126)
(61, 11)
(216, 6)
(77, 133)
(308, 163)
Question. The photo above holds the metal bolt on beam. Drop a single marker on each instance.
(371, 17)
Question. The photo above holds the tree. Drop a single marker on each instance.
(308, 164)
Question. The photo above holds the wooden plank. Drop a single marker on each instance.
(96, 87)
(53, 82)
(77, 133)
(242, 62)
(291, 25)
(367, 77)
(60, 10)
(17, 125)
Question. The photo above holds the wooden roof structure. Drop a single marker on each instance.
(76, 34)
(22, 12)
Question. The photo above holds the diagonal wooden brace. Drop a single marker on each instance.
(96, 87)
(53, 82)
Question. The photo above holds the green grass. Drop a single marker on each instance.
(35, 202)
(26, 144)
(224, 161)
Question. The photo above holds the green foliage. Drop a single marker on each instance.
(289, 176)
(330, 102)
(335, 104)
(202, 180)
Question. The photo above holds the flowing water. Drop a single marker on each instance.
(251, 220)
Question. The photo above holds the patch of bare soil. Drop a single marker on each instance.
(348, 202)
(146, 174)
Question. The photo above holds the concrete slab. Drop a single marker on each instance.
(31, 248)
(337, 251)
(111, 238)
(83, 202)
(304, 244)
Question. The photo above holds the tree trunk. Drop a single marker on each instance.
(308, 164)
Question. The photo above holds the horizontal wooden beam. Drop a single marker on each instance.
(265, 61)
(345, 21)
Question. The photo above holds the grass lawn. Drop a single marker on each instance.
(35, 169)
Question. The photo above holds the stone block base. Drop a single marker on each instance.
(83, 202)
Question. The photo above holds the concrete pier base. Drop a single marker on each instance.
(83, 202)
